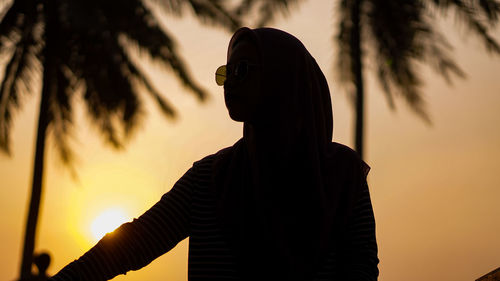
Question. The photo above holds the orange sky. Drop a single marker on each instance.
(435, 190)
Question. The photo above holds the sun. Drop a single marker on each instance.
(107, 221)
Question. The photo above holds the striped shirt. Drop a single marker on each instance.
(188, 210)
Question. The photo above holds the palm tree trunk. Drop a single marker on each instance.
(357, 71)
(36, 189)
(43, 122)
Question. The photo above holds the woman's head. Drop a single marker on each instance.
(280, 83)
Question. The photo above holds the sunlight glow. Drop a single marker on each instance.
(107, 221)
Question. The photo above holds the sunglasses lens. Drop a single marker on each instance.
(220, 75)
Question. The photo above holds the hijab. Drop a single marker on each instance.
(284, 191)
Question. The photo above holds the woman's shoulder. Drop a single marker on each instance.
(221, 155)
(336, 149)
(347, 157)
(209, 159)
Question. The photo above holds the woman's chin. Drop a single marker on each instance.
(235, 108)
(236, 116)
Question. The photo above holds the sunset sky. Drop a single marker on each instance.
(435, 189)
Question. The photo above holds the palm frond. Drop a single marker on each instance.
(435, 51)
(165, 107)
(9, 99)
(403, 36)
(10, 25)
(144, 30)
(479, 18)
(266, 9)
(173, 7)
(100, 59)
(20, 69)
(213, 11)
(392, 29)
(110, 96)
(343, 40)
(61, 114)
(93, 53)
(491, 9)
(208, 11)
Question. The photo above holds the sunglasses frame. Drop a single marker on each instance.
(221, 72)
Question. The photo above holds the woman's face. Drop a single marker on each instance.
(242, 90)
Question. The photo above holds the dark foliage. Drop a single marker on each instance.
(90, 46)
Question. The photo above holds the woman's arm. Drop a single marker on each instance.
(135, 244)
(360, 247)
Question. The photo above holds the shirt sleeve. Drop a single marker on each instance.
(135, 244)
(360, 245)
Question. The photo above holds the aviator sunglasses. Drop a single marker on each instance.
(239, 71)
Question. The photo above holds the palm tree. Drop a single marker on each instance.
(82, 47)
(395, 36)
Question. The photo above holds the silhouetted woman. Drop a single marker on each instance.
(283, 203)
